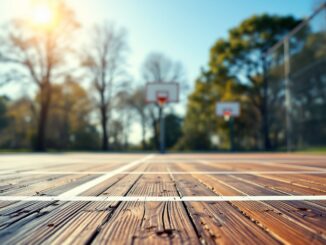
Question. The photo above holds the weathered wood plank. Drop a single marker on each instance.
(150, 222)
(268, 214)
(312, 182)
(257, 222)
(42, 222)
(86, 223)
(284, 187)
(220, 222)
(35, 229)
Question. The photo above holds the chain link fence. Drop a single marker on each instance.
(297, 86)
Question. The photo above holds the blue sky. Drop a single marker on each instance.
(182, 29)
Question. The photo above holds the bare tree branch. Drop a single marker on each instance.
(105, 64)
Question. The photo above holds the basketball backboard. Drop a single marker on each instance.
(162, 92)
(231, 109)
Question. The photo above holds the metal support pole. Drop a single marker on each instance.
(265, 114)
(288, 104)
(162, 131)
(231, 127)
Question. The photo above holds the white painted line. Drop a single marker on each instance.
(6, 172)
(160, 198)
(166, 173)
(84, 187)
(232, 161)
(274, 164)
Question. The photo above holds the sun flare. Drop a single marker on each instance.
(42, 14)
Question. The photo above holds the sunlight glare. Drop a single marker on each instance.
(42, 14)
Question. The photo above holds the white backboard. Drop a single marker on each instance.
(162, 89)
(232, 107)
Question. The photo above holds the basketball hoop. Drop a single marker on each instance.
(229, 110)
(227, 115)
(161, 93)
(162, 98)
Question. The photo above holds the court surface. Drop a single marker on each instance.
(162, 199)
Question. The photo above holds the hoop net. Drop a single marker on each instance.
(162, 98)
(227, 115)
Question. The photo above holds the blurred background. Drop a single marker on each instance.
(73, 74)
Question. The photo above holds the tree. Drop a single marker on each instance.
(200, 121)
(105, 62)
(173, 134)
(117, 136)
(4, 121)
(70, 125)
(159, 68)
(20, 130)
(127, 108)
(38, 53)
(137, 102)
(173, 131)
(243, 54)
(236, 72)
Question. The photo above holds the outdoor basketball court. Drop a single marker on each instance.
(177, 198)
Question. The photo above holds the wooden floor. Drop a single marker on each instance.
(169, 199)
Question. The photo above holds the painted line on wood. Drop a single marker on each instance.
(86, 186)
(161, 198)
(236, 161)
(164, 173)
(307, 168)
(7, 172)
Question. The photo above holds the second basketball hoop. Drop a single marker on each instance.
(229, 110)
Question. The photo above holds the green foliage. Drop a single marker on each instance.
(173, 130)
(18, 132)
(4, 120)
(70, 126)
(86, 138)
(39, 54)
(235, 73)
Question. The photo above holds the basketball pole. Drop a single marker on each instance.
(161, 93)
(162, 130)
(231, 128)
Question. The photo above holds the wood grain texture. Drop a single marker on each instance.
(229, 222)
(149, 222)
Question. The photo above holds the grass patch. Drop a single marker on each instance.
(320, 149)
(15, 150)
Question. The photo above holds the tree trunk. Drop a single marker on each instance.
(105, 137)
(43, 117)
(143, 120)
(156, 134)
(155, 127)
